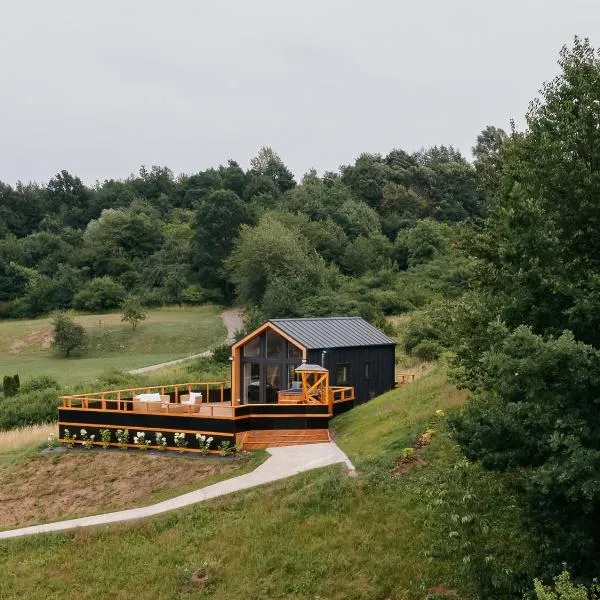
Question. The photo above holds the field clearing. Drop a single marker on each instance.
(166, 335)
(319, 534)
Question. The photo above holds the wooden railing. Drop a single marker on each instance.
(341, 394)
(121, 398)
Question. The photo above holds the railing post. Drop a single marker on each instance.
(222, 393)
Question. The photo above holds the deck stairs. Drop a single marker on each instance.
(269, 438)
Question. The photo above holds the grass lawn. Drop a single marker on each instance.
(167, 334)
(320, 534)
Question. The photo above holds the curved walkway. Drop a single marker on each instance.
(283, 462)
(232, 319)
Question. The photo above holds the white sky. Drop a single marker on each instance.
(100, 87)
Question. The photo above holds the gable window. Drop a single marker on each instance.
(275, 345)
(342, 374)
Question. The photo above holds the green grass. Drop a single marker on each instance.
(321, 534)
(167, 334)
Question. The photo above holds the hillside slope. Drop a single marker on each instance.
(318, 535)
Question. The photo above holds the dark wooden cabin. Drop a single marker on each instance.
(353, 351)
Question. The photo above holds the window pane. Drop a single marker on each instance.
(275, 345)
(252, 348)
(294, 351)
(273, 382)
(341, 374)
(251, 383)
(366, 370)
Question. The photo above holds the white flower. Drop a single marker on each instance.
(209, 440)
(92, 437)
(83, 432)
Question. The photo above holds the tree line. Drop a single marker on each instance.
(335, 243)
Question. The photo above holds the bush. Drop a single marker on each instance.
(427, 350)
(32, 408)
(565, 589)
(101, 293)
(221, 354)
(41, 382)
(10, 385)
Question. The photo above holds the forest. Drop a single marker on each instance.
(497, 259)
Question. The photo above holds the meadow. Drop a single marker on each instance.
(167, 334)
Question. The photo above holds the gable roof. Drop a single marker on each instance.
(332, 332)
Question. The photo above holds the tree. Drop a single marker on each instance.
(101, 293)
(273, 261)
(267, 163)
(68, 335)
(133, 311)
(528, 342)
(218, 221)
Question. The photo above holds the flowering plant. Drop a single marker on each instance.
(68, 438)
(161, 441)
(141, 441)
(86, 441)
(52, 441)
(225, 448)
(180, 441)
(204, 443)
(123, 438)
(105, 437)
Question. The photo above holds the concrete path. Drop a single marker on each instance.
(283, 462)
(232, 319)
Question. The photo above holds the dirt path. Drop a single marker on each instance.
(233, 321)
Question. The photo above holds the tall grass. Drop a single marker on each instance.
(24, 437)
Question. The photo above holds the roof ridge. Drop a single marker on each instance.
(316, 318)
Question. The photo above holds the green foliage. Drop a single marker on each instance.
(38, 383)
(274, 266)
(99, 294)
(132, 311)
(68, 335)
(565, 589)
(527, 340)
(31, 408)
(10, 385)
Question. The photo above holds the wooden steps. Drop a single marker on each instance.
(269, 438)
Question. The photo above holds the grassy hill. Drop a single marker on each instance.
(167, 334)
(435, 527)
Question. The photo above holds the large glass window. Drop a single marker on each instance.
(294, 351)
(275, 345)
(273, 373)
(252, 348)
(251, 383)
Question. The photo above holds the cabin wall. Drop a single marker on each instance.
(381, 368)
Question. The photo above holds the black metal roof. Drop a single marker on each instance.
(333, 332)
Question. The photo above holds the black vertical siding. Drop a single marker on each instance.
(381, 361)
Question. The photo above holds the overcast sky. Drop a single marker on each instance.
(100, 87)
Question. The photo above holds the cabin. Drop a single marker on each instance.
(289, 377)
(354, 352)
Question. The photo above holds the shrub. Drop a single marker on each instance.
(10, 385)
(101, 293)
(32, 408)
(41, 382)
(565, 589)
(221, 354)
(427, 350)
